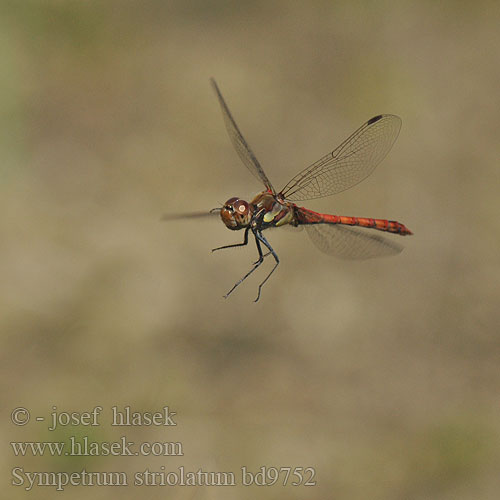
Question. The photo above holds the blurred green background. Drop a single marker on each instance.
(383, 375)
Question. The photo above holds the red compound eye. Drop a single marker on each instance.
(241, 207)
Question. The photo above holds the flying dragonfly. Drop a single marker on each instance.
(338, 235)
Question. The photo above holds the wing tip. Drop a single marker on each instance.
(214, 85)
(374, 119)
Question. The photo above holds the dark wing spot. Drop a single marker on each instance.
(374, 119)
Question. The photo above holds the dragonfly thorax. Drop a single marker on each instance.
(236, 214)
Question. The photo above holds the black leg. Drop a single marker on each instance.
(264, 255)
(255, 266)
(245, 242)
(260, 237)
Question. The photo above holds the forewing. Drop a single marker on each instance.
(348, 242)
(191, 215)
(350, 163)
(239, 142)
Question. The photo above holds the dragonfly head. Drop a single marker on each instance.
(236, 214)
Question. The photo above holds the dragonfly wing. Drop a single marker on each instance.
(191, 215)
(239, 143)
(350, 243)
(350, 163)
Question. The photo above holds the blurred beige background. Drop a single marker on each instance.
(383, 375)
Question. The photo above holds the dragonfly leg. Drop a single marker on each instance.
(245, 242)
(259, 249)
(263, 256)
(260, 237)
(255, 266)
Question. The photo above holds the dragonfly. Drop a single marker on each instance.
(344, 167)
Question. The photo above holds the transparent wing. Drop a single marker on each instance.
(190, 215)
(350, 163)
(239, 143)
(350, 243)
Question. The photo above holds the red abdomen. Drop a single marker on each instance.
(306, 216)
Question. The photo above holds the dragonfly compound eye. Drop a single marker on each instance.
(242, 213)
(236, 213)
(241, 207)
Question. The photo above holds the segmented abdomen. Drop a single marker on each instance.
(306, 216)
